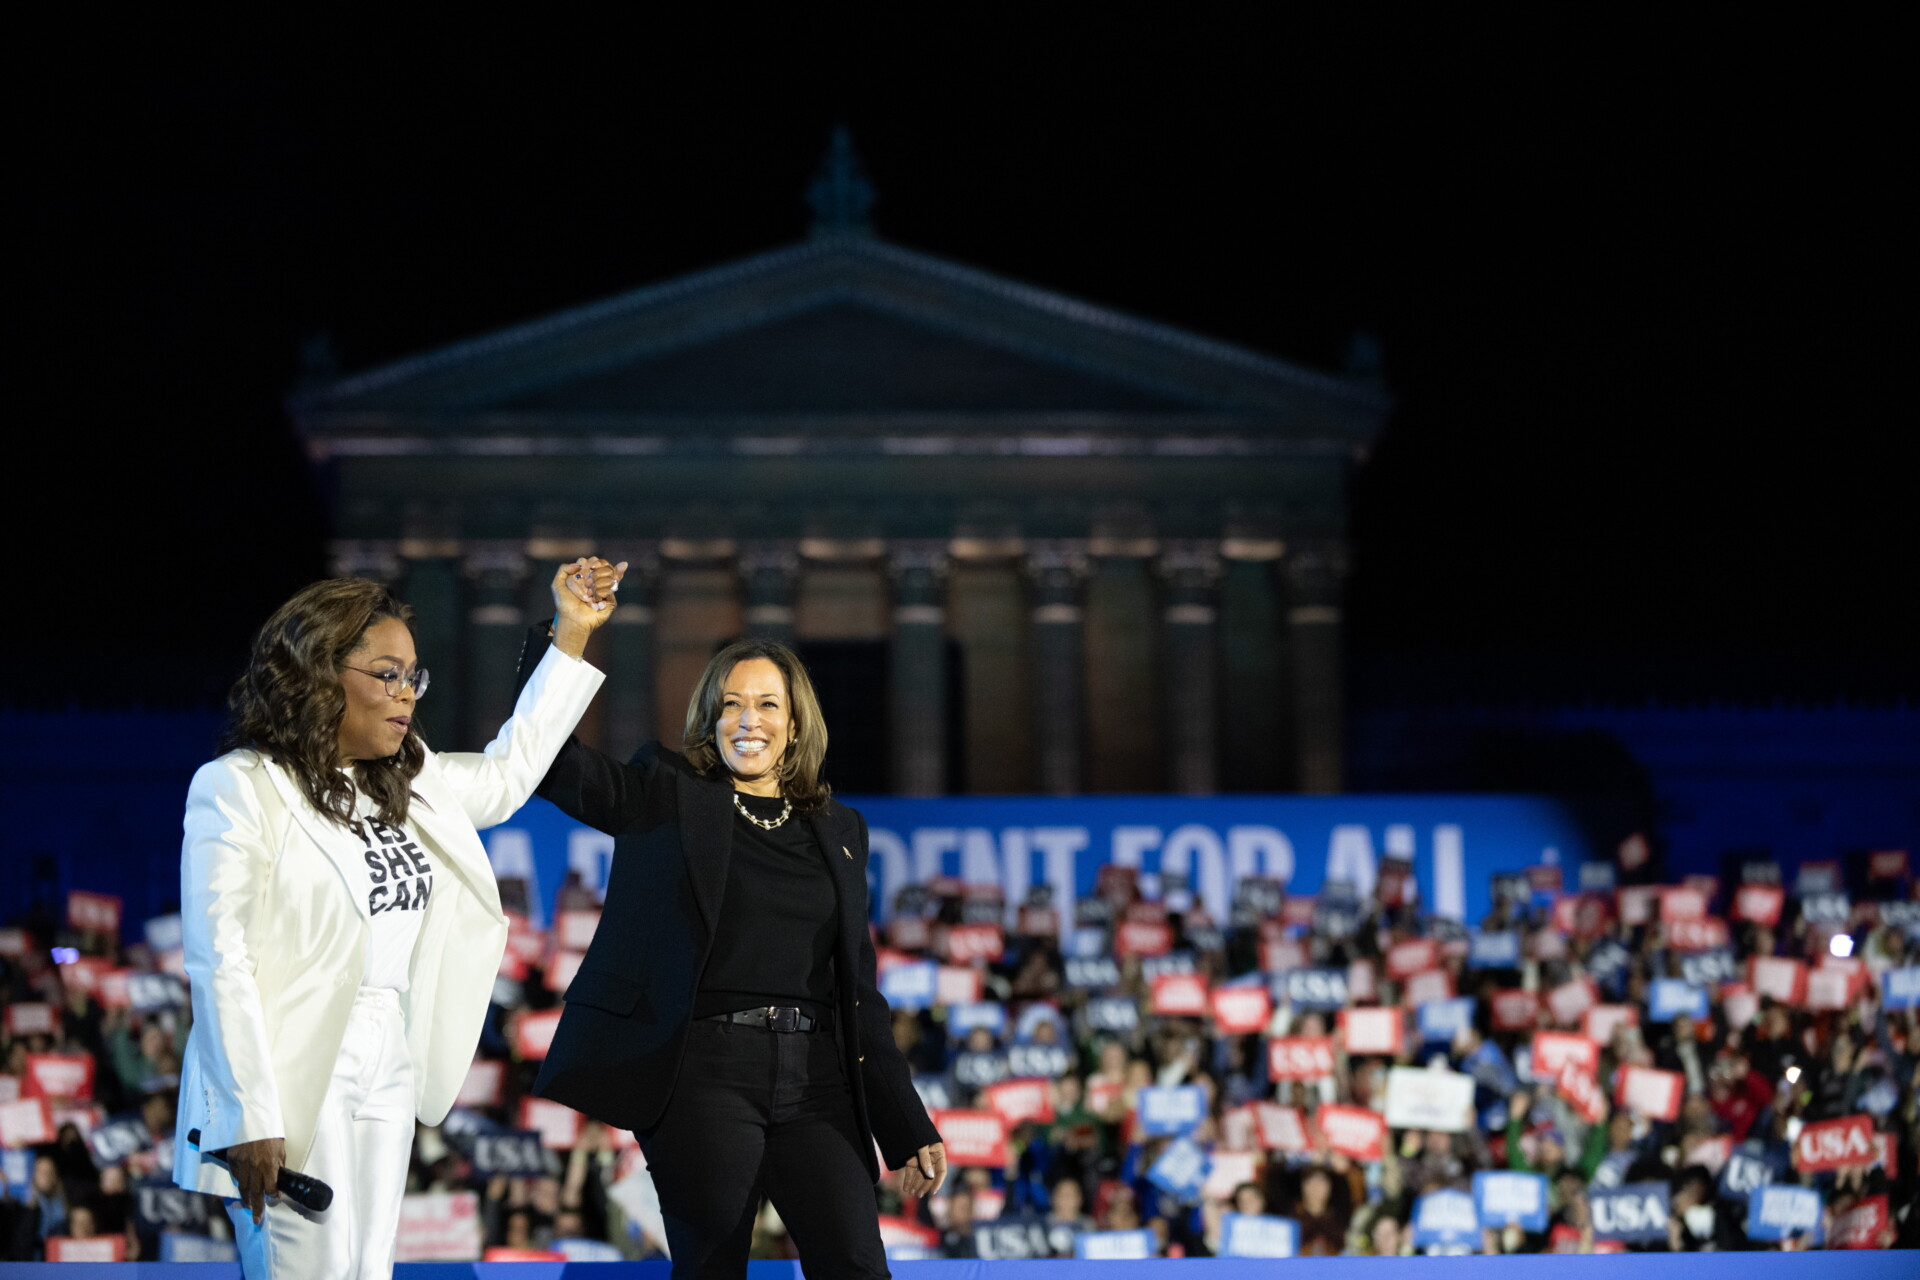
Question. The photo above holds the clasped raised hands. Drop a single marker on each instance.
(583, 599)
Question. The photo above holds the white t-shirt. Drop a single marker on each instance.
(399, 880)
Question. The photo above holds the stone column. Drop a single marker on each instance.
(917, 711)
(1058, 570)
(433, 586)
(769, 571)
(630, 656)
(497, 573)
(1256, 716)
(1314, 573)
(1189, 673)
(1124, 752)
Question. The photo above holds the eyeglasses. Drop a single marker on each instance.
(392, 680)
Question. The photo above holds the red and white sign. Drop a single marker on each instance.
(1759, 903)
(85, 974)
(574, 930)
(1779, 978)
(1297, 911)
(559, 972)
(1277, 955)
(1373, 1030)
(1102, 1094)
(1682, 904)
(486, 1077)
(9, 1088)
(1018, 1100)
(1515, 1009)
(1553, 1050)
(955, 985)
(897, 1230)
(1739, 1002)
(1887, 864)
(967, 943)
(525, 942)
(1180, 995)
(973, 1137)
(99, 912)
(439, 1226)
(558, 1126)
(909, 933)
(59, 1077)
(533, 1034)
(111, 1248)
(1038, 922)
(1829, 989)
(1361, 986)
(1582, 1092)
(1583, 915)
(1545, 878)
(1241, 1011)
(1834, 1144)
(113, 993)
(1280, 1128)
(1598, 1022)
(1146, 912)
(1651, 1093)
(1547, 944)
(25, 1122)
(1433, 984)
(1230, 1170)
(1710, 1153)
(504, 1253)
(1702, 934)
(1570, 1001)
(173, 962)
(1416, 956)
(1709, 885)
(32, 1018)
(1140, 938)
(1353, 1131)
(1637, 903)
(1862, 1227)
(1300, 1058)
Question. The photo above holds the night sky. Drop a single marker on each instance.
(1637, 293)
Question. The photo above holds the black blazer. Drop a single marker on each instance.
(622, 1034)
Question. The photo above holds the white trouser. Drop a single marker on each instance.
(360, 1149)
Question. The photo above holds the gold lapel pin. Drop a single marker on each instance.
(846, 851)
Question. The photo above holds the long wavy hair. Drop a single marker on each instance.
(288, 703)
(799, 768)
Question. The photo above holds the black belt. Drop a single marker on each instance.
(781, 1018)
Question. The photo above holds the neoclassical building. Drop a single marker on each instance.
(1025, 543)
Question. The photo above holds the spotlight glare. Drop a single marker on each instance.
(1841, 945)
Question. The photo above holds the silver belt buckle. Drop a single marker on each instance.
(785, 1019)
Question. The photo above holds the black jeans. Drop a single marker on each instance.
(757, 1113)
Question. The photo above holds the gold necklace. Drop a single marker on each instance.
(768, 824)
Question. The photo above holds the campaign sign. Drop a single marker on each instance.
(911, 985)
(517, 1153)
(1515, 1009)
(1502, 1198)
(1442, 1020)
(1667, 998)
(1427, 986)
(1424, 1098)
(112, 1248)
(1038, 1061)
(978, 1068)
(1637, 902)
(486, 1077)
(1597, 877)
(1281, 1128)
(1361, 985)
(1777, 1212)
(1321, 989)
(1582, 1092)
(1834, 1144)
(533, 1033)
(1599, 1022)
(1608, 960)
(178, 1246)
(150, 991)
(1490, 1067)
(1828, 989)
(1010, 1241)
(1092, 973)
(1277, 955)
(1241, 1010)
(31, 1018)
(955, 984)
(1778, 977)
(1498, 950)
(1180, 995)
(1742, 1173)
(973, 1137)
(1404, 959)
(60, 1077)
(1353, 1131)
(1142, 938)
(1257, 1235)
(1569, 1001)
(1825, 908)
(969, 942)
(1018, 1101)
(439, 1226)
(1553, 1050)
(1900, 988)
(1372, 1030)
(1702, 934)
(558, 1125)
(991, 1014)
(99, 912)
(25, 1122)
(1635, 1213)
(1862, 1226)
(1112, 1013)
(1170, 1110)
(1709, 968)
(1887, 864)
(117, 1139)
(1445, 1218)
(159, 1206)
(1650, 1092)
(1181, 1170)
(1153, 968)
(1759, 903)
(1114, 1246)
(1682, 904)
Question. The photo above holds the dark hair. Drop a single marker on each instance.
(288, 703)
(799, 770)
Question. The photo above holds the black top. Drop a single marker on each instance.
(773, 943)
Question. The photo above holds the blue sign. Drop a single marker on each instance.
(1092, 972)
(1608, 962)
(1634, 1213)
(1493, 950)
(1181, 1170)
(1442, 1020)
(911, 985)
(991, 1014)
(1458, 842)
(1709, 968)
(1502, 1198)
(1255, 1235)
(1112, 1013)
(1114, 1246)
(1596, 877)
(1035, 1016)
(1900, 988)
(1049, 1061)
(1446, 1218)
(181, 1246)
(1175, 1110)
(1088, 943)
(1744, 1173)
(1490, 1068)
(1612, 1171)
(1667, 998)
(1776, 1212)
(1323, 989)
(978, 1068)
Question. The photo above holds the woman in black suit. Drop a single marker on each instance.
(727, 1010)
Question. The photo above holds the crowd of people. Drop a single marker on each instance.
(1592, 1067)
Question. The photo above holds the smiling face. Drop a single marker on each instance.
(755, 727)
(373, 725)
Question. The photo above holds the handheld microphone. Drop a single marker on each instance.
(303, 1189)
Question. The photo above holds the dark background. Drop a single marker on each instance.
(1642, 294)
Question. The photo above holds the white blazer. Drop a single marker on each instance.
(276, 927)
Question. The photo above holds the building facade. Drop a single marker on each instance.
(1029, 544)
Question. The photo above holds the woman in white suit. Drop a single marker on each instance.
(342, 923)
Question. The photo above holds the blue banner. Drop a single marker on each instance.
(1455, 843)
(1502, 1198)
(1446, 1218)
(910, 985)
(1322, 989)
(1634, 1213)
(1115, 1246)
(1174, 1110)
(1776, 1212)
(1667, 998)
(1253, 1235)
(1442, 1020)
(1900, 988)
(1745, 1172)
(962, 1018)
(1493, 950)
(1182, 1168)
